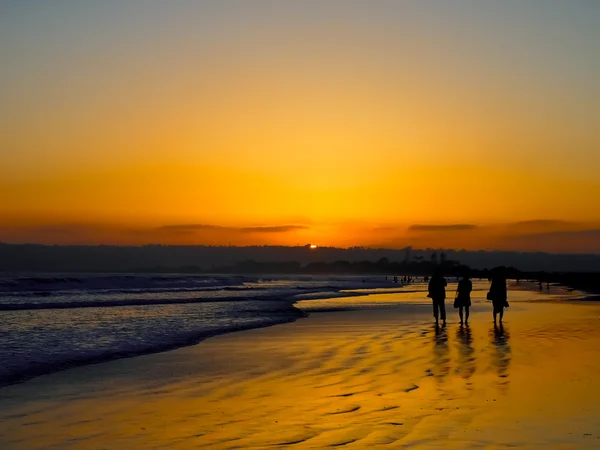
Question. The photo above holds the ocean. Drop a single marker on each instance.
(55, 321)
(50, 322)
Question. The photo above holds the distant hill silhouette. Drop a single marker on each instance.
(56, 258)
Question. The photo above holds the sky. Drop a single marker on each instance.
(458, 124)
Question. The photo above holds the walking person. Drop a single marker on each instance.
(463, 297)
(437, 293)
(497, 293)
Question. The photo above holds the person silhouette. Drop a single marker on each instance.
(437, 293)
(497, 293)
(463, 297)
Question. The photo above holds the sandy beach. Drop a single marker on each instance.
(382, 377)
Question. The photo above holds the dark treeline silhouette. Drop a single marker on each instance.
(106, 258)
(382, 267)
(194, 259)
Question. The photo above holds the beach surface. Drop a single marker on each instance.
(366, 377)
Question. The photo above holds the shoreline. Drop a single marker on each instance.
(367, 377)
(197, 338)
(200, 337)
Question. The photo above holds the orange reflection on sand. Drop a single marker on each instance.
(354, 378)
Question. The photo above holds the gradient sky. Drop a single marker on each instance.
(461, 124)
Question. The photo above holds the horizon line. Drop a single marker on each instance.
(320, 247)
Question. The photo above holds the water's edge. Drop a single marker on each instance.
(187, 341)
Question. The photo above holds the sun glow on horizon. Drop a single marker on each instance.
(293, 122)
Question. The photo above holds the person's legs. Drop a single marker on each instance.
(460, 313)
(501, 314)
(466, 314)
(495, 313)
(435, 310)
(442, 305)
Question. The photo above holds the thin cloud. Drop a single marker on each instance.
(186, 228)
(564, 241)
(452, 227)
(192, 227)
(541, 222)
(58, 229)
(273, 229)
(592, 234)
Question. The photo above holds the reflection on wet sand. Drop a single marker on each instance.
(501, 353)
(466, 353)
(441, 353)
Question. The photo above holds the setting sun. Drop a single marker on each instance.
(167, 167)
(235, 116)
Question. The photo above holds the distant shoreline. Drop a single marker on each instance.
(573, 279)
(275, 259)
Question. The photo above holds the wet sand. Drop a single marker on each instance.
(353, 379)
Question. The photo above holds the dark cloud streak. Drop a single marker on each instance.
(186, 228)
(192, 227)
(453, 227)
(591, 234)
(273, 229)
(541, 222)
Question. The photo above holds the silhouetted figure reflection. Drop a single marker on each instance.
(497, 293)
(466, 352)
(501, 353)
(441, 353)
(463, 297)
(437, 293)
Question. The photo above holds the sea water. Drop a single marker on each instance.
(52, 322)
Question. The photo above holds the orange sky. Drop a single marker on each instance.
(221, 123)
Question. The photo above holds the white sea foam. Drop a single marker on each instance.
(58, 321)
